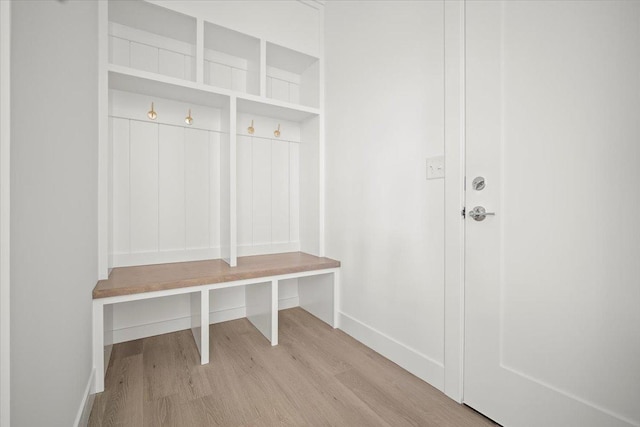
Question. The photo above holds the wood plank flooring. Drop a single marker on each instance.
(317, 376)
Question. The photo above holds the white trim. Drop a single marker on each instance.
(454, 105)
(321, 139)
(314, 4)
(173, 325)
(84, 411)
(163, 257)
(286, 303)
(408, 358)
(5, 225)
(103, 141)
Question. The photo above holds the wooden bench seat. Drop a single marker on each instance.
(149, 278)
(317, 291)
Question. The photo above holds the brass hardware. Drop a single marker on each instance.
(250, 129)
(152, 113)
(276, 132)
(188, 120)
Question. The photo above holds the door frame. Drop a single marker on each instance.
(454, 196)
(5, 225)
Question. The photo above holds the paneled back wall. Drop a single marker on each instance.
(268, 186)
(165, 181)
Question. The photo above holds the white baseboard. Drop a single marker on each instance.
(182, 323)
(408, 358)
(163, 257)
(84, 411)
(172, 325)
(286, 303)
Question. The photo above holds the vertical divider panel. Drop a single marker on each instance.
(200, 323)
(261, 300)
(280, 191)
(320, 93)
(197, 188)
(199, 50)
(245, 190)
(261, 189)
(228, 190)
(294, 186)
(214, 193)
(143, 168)
(104, 224)
(317, 296)
(310, 187)
(263, 67)
(233, 112)
(120, 209)
(171, 175)
(225, 186)
(98, 345)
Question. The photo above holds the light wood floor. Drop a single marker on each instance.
(317, 376)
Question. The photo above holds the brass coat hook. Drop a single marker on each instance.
(152, 113)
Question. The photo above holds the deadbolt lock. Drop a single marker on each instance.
(478, 183)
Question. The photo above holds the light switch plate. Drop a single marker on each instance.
(435, 167)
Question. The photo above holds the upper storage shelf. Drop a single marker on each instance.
(157, 43)
(292, 76)
(151, 38)
(231, 59)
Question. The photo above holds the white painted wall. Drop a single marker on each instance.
(5, 224)
(384, 220)
(54, 158)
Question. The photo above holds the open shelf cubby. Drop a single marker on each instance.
(231, 59)
(292, 76)
(277, 180)
(151, 38)
(169, 179)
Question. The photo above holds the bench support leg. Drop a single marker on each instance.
(200, 323)
(274, 312)
(98, 346)
(319, 296)
(336, 299)
(261, 300)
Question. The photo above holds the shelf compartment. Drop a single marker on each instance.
(151, 38)
(277, 180)
(231, 59)
(140, 82)
(292, 76)
(169, 180)
(275, 109)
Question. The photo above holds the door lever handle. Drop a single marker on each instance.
(479, 213)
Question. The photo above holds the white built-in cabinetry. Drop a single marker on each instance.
(214, 188)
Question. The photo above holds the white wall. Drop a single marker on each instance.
(384, 220)
(5, 225)
(53, 207)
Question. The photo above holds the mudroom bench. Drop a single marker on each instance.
(260, 274)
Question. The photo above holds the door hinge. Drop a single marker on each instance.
(464, 212)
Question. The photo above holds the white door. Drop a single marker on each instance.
(552, 288)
